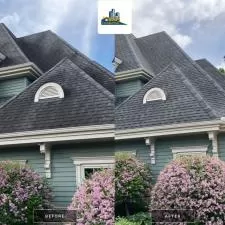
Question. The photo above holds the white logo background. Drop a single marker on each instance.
(124, 7)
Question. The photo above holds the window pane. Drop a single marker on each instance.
(89, 171)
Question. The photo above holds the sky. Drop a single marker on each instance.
(198, 26)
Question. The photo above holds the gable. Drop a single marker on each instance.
(182, 105)
(85, 103)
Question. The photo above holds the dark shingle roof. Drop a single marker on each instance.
(10, 49)
(212, 71)
(127, 50)
(86, 103)
(209, 88)
(183, 103)
(46, 49)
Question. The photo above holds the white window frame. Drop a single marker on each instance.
(54, 85)
(161, 92)
(82, 163)
(190, 150)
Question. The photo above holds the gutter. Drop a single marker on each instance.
(93, 132)
(176, 129)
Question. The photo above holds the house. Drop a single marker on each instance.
(167, 103)
(66, 116)
(57, 110)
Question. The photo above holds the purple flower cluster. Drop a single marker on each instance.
(94, 199)
(193, 182)
(21, 190)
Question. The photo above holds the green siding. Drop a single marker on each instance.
(31, 154)
(63, 179)
(13, 87)
(163, 149)
(221, 146)
(128, 88)
(63, 170)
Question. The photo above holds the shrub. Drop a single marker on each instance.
(193, 182)
(21, 191)
(94, 200)
(132, 183)
(125, 221)
(141, 218)
(137, 219)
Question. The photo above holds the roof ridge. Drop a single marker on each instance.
(93, 81)
(153, 34)
(9, 33)
(198, 67)
(194, 91)
(133, 50)
(29, 35)
(165, 68)
(109, 73)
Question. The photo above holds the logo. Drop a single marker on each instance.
(114, 16)
(112, 19)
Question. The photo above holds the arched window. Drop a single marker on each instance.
(153, 95)
(49, 90)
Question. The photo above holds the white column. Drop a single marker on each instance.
(213, 138)
(151, 143)
(46, 149)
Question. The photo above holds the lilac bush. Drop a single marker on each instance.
(94, 199)
(21, 191)
(193, 182)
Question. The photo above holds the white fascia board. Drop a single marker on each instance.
(18, 70)
(184, 128)
(58, 135)
(130, 74)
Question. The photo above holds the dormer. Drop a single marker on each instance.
(14, 79)
(132, 70)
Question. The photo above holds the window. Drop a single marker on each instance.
(86, 166)
(49, 90)
(153, 95)
(191, 150)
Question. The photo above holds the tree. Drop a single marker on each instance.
(222, 70)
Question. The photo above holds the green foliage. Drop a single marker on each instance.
(222, 70)
(133, 184)
(136, 219)
(141, 218)
(125, 221)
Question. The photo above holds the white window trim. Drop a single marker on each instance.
(56, 86)
(163, 96)
(82, 163)
(189, 150)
